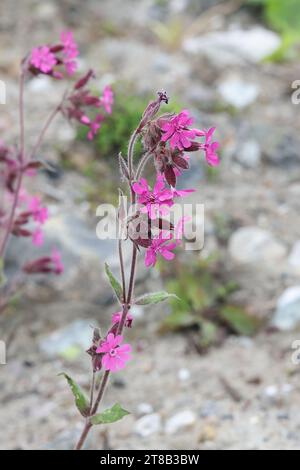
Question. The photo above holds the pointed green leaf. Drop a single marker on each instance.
(111, 415)
(239, 320)
(81, 400)
(154, 298)
(114, 282)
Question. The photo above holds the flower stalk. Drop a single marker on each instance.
(165, 140)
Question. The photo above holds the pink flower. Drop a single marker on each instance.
(161, 245)
(107, 99)
(43, 59)
(38, 237)
(116, 318)
(210, 148)
(176, 130)
(115, 354)
(156, 201)
(95, 126)
(57, 262)
(70, 46)
(71, 66)
(70, 51)
(40, 214)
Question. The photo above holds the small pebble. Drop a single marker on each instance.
(184, 375)
(147, 425)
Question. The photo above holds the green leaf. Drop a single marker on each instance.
(177, 320)
(114, 282)
(284, 16)
(111, 415)
(239, 320)
(208, 334)
(81, 400)
(154, 298)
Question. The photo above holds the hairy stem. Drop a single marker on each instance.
(126, 299)
(92, 389)
(122, 269)
(142, 164)
(132, 275)
(41, 136)
(131, 145)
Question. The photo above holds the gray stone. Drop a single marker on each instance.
(144, 409)
(74, 238)
(238, 92)
(249, 154)
(233, 46)
(287, 315)
(252, 245)
(68, 341)
(181, 420)
(148, 425)
(184, 375)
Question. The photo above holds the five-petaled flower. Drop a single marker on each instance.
(115, 354)
(162, 245)
(176, 130)
(154, 202)
(43, 59)
(48, 59)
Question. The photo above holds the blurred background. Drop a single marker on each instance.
(215, 370)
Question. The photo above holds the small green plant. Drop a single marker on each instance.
(113, 137)
(284, 17)
(205, 310)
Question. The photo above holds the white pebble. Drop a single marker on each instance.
(181, 420)
(184, 375)
(147, 425)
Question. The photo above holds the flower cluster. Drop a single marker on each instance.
(23, 214)
(80, 99)
(29, 215)
(166, 139)
(54, 59)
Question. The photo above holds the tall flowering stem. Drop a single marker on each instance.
(20, 173)
(20, 211)
(165, 138)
